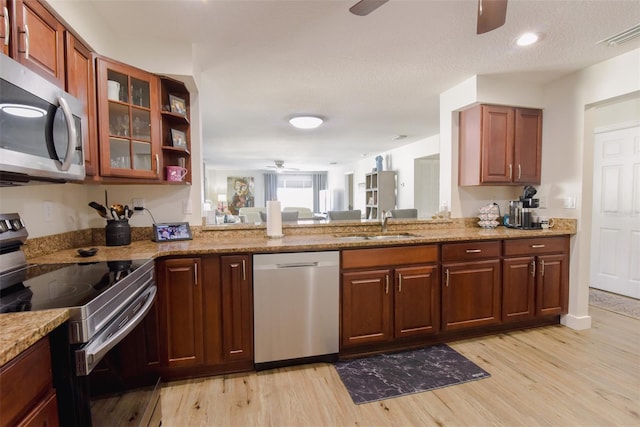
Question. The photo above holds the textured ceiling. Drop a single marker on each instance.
(371, 77)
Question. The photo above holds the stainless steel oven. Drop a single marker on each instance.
(106, 302)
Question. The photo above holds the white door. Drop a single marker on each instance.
(615, 232)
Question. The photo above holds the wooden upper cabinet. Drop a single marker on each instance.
(500, 145)
(128, 121)
(38, 40)
(5, 26)
(81, 84)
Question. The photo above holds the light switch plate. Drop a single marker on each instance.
(570, 202)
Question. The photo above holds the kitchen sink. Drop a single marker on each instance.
(377, 236)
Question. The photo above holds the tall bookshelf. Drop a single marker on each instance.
(380, 193)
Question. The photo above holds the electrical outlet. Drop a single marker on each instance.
(47, 211)
(137, 203)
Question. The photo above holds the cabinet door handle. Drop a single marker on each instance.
(537, 246)
(519, 171)
(26, 41)
(157, 165)
(399, 283)
(7, 25)
(510, 171)
(533, 267)
(541, 267)
(473, 251)
(446, 277)
(244, 270)
(386, 288)
(195, 274)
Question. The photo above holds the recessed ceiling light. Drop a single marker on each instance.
(306, 122)
(527, 39)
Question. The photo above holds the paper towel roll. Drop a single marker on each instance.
(274, 219)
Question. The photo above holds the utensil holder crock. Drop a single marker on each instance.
(117, 232)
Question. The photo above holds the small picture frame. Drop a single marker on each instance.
(177, 105)
(178, 138)
(167, 232)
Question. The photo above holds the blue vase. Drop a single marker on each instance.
(379, 163)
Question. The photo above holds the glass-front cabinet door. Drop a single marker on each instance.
(128, 117)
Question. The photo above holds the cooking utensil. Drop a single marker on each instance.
(114, 214)
(119, 209)
(101, 209)
(127, 212)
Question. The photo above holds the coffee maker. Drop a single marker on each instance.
(521, 210)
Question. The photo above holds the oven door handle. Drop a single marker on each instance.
(88, 356)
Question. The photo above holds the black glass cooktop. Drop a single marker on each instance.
(46, 286)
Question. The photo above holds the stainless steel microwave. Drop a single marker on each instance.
(40, 129)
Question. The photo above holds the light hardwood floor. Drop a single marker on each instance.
(550, 376)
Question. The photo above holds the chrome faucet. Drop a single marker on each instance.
(385, 217)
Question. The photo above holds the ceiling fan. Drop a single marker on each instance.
(279, 166)
(492, 14)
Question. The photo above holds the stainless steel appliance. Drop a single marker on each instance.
(40, 128)
(296, 308)
(106, 301)
(521, 211)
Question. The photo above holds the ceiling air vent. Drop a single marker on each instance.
(622, 37)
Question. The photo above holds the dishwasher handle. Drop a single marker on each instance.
(297, 264)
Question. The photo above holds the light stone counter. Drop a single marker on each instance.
(20, 330)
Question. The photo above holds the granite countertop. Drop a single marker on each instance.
(22, 330)
(220, 243)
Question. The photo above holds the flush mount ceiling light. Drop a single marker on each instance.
(306, 122)
(527, 39)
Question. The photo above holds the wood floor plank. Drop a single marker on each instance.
(550, 376)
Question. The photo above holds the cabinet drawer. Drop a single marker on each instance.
(377, 257)
(470, 251)
(534, 246)
(26, 379)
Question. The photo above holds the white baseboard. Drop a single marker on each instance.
(578, 323)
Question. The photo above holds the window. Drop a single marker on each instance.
(296, 190)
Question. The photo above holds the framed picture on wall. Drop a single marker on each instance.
(178, 138)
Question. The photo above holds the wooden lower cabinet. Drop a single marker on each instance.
(180, 288)
(536, 278)
(471, 294)
(206, 315)
(28, 381)
(518, 289)
(471, 288)
(237, 307)
(366, 307)
(388, 303)
(416, 301)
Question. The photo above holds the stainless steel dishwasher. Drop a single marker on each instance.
(296, 308)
